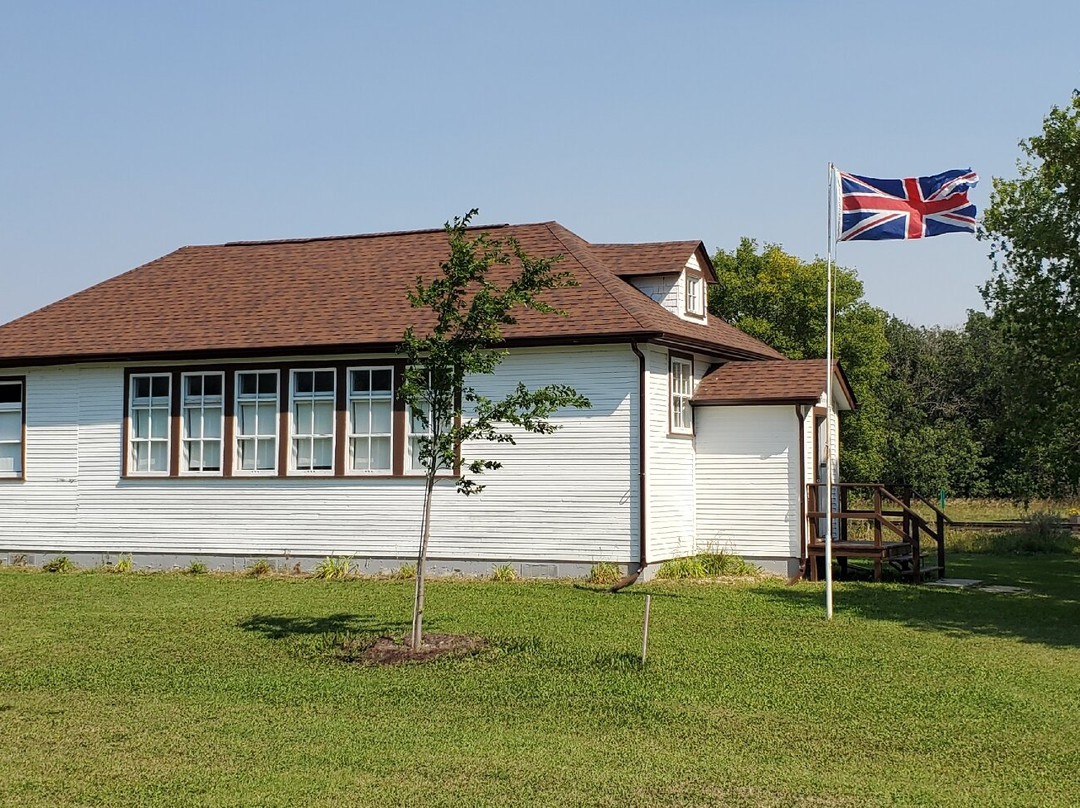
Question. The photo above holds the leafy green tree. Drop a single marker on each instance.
(469, 309)
(781, 300)
(934, 432)
(1033, 226)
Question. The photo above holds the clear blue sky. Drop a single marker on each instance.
(130, 129)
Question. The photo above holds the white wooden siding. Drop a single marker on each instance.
(810, 462)
(669, 290)
(748, 480)
(664, 289)
(44, 504)
(569, 496)
(669, 468)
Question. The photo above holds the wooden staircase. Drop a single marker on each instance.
(884, 530)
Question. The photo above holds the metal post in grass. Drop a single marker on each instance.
(645, 632)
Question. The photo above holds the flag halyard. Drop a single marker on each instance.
(913, 207)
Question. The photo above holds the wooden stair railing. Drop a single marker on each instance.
(942, 519)
(891, 515)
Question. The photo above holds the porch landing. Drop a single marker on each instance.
(897, 531)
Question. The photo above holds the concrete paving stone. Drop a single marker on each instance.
(955, 583)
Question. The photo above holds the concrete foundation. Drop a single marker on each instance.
(302, 564)
(470, 568)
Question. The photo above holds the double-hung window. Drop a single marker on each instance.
(682, 388)
(417, 427)
(148, 409)
(11, 428)
(256, 422)
(313, 416)
(695, 299)
(203, 415)
(371, 420)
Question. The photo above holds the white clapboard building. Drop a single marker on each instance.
(237, 401)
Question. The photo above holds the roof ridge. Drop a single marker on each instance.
(648, 243)
(384, 234)
(603, 281)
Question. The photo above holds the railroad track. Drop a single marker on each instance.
(1007, 525)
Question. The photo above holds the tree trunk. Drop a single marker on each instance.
(421, 558)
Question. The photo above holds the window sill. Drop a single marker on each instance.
(672, 434)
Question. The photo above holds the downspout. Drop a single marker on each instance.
(801, 411)
(628, 579)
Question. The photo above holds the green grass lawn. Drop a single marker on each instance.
(202, 690)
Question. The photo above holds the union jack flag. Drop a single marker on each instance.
(914, 207)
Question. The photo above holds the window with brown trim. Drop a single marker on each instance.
(149, 430)
(681, 380)
(695, 294)
(269, 420)
(371, 420)
(202, 420)
(312, 420)
(417, 427)
(256, 422)
(12, 427)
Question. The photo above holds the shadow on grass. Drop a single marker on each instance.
(638, 590)
(274, 627)
(623, 661)
(1049, 614)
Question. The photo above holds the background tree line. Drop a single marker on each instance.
(988, 409)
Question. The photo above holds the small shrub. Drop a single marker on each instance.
(718, 563)
(59, 564)
(334, 567)
(1039, 532)
(123, 564)
(604, 573)
(690, 567)
(713, 564)
(504, 573)
(260, 568)
(406, 572)
(19, 560)
(196, 567)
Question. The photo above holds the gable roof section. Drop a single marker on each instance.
(344, 293)
(776, 382)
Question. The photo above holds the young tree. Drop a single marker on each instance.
(1033, 226)
(469, 310)
(780, 299)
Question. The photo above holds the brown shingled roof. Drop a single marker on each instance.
(777, 382)
(338, 293)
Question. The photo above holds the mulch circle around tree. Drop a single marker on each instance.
(391, 651)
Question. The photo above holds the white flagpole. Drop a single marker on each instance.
(828, 400)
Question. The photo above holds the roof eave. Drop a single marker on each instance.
(706, 346)
(239, 352)
(706, 262)
(737, 402)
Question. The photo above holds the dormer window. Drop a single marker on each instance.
(695, 295)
